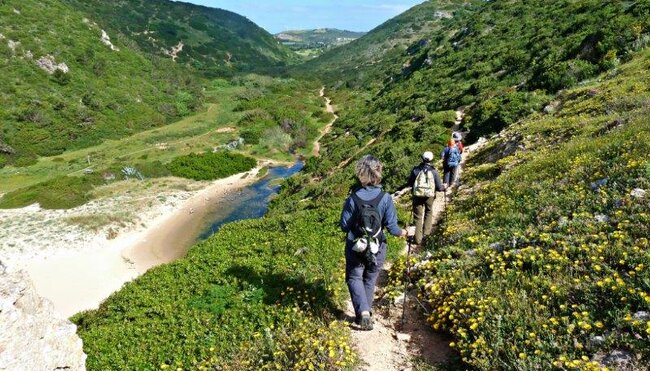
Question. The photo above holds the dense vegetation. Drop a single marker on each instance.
(541, 262)
(100, 93)
(280, 116)
(215, 42)
(312, 43)
(209, 166)
(259, 295)
(66, 192)
(545, 263)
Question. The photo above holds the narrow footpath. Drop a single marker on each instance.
(389, 346)
(330, 109)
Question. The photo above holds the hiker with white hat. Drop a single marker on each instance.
(425, 182)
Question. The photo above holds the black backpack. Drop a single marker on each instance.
(368, 221)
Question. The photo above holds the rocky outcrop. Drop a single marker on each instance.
(48, 64)
(6, 149)
(32, 335)
(106, 40)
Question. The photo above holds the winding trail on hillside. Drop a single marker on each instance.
(391, 346)
(330, 109)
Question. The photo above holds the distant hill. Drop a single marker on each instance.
(315, 42)
(67, 82)
(213, 41)
(357, 61)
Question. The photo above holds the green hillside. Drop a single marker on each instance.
(541, 262)
(362, 62)
(62, 88)
(500, 69)
(214, 41)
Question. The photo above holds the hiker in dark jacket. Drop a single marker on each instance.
(362, 268)
(424, 192)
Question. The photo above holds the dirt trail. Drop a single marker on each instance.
(330, 109)
(389, 346)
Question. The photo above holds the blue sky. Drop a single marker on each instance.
(281, 15)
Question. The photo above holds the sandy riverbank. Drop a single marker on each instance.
(77, 269)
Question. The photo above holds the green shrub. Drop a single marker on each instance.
(209, 166)
(25, 160)
(63, 192)
(251, 136)
(276, 139)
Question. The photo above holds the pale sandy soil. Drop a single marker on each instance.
(77, 268)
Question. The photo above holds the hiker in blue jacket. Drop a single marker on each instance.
(451, 158)
(365, 254)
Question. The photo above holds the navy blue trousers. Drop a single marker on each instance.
(361, 277)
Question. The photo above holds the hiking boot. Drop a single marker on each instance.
(366, 322)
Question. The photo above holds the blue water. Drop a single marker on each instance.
(249, 203)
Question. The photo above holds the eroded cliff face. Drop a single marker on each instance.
(33, 336)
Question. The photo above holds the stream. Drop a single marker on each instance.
(250, 202)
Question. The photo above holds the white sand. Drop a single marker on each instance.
(80, 268)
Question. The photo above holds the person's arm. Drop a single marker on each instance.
(411, 181)
(443, 153)
(390, 219)
(346, 215)
(436, 178)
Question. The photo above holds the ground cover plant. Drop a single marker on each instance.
(543, 263)
(242, 289)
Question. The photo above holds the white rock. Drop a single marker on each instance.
(33, 336)
(601, 218)
(106, 40)
(641, 316)
(403, 337)
(48, 64)
(618, 358)
(597, 340)
(638, 193)
(13, 45)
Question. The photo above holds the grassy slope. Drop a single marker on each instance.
(209, 35)
(357, 62)
(481, 57)
(307, 210)
(556, 258)
(106, 94)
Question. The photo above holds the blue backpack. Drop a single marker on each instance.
(453, 157)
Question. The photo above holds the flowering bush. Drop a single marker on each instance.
(546, 266)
